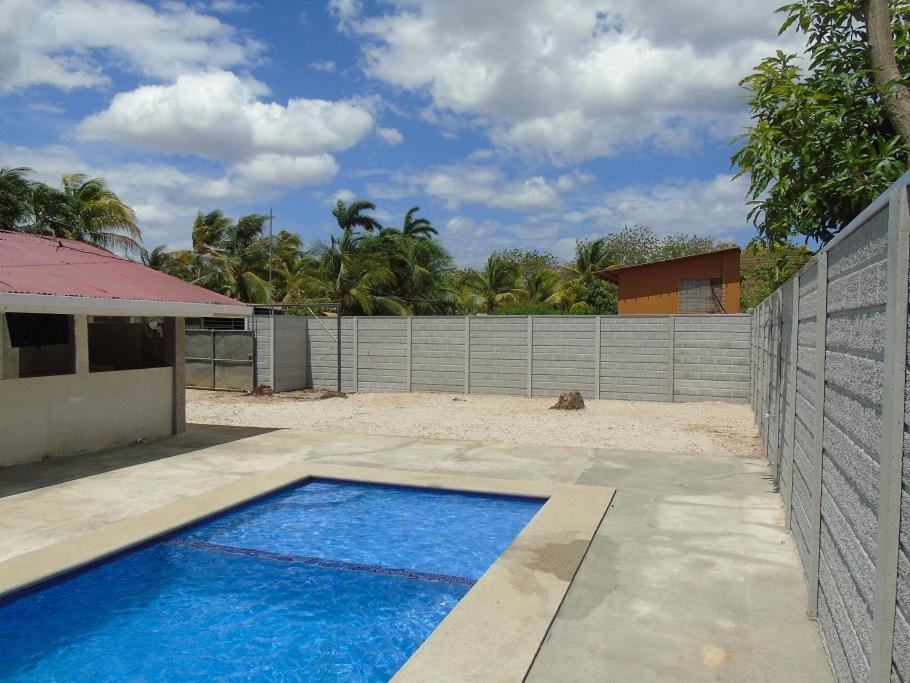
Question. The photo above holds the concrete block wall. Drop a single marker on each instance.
(804, 436)
(631, 357)
(854, 363)
(636, 358)
(323, 360)
(840, 449)
(787, 393)
(438, 353)
(711, 358)
(382, 354)
(499, 355)
(564, 351)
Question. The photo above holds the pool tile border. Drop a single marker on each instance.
(492, 634)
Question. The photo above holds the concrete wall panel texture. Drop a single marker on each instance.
(805, 412)
(787, 419)
(863, 503)
(491, 354)
(564, 355)
(438, 348)
(854, 358)
(499, 355)
(711, 358)
(323, 365)
(901, 648)
(635, 361)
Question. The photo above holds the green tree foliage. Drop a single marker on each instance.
(352, 217)
(821, 146)
(765, 268)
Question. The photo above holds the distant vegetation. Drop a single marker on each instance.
(370, 268)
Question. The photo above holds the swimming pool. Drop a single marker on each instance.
(329, 580)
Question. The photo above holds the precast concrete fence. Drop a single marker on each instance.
(829, 391)
(651, 358)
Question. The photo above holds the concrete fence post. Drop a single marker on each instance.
(410, 338)
(356, 360)
(467, 354)
(791, 400)
(891, 452)
(671, 358)
(778, 347)
(597, 357)
(817, 456)
(530, 356)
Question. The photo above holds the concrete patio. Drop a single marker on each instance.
(690, 577)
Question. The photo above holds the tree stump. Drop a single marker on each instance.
(571, 400)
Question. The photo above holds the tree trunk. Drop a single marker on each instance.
(877, 14)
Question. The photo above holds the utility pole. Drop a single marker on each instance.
(271, 308)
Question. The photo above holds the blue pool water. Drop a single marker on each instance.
(326, 581)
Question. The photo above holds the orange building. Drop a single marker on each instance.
(703, 283)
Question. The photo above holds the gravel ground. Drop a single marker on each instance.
(711, 428)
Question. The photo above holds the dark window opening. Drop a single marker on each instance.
(40, 345)
(120, 343)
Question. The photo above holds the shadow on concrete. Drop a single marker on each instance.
(36, 475)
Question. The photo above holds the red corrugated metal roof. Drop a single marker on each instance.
(30, 264)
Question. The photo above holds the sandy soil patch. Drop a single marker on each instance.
(713, 428)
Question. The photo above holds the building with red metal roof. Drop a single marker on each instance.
(91, 347)
(78, 276)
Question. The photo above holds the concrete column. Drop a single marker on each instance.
(818, 431)
(80, 342)
(891, 453)
(671, 359)
(9, 357)
(356, 361)
(410, 340)
(597, 327)
(467, 354)
(175, 356)
(530, 356)
(791, 400)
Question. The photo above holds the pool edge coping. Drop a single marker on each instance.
(495, 630)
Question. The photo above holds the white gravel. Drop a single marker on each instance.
(712, 428)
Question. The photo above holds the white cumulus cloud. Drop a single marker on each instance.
(70, 43)
(288, 171)
(392, 136)
(573, 79)
(220, 115)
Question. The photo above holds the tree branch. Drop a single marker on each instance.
(886, 72)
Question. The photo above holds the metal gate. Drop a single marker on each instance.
(220, 359)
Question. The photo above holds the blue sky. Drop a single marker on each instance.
(527, 123)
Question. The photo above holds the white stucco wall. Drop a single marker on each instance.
(67, 414)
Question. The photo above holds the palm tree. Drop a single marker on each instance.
(354, 275)
(209, 230)
(423, 271)
(351, 216)
(539, 287)
(96, 215)
(417, 227)
(581, 287)
(15, 190)
(493, 285)
(238, 263)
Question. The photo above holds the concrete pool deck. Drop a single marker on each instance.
(692, 576)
